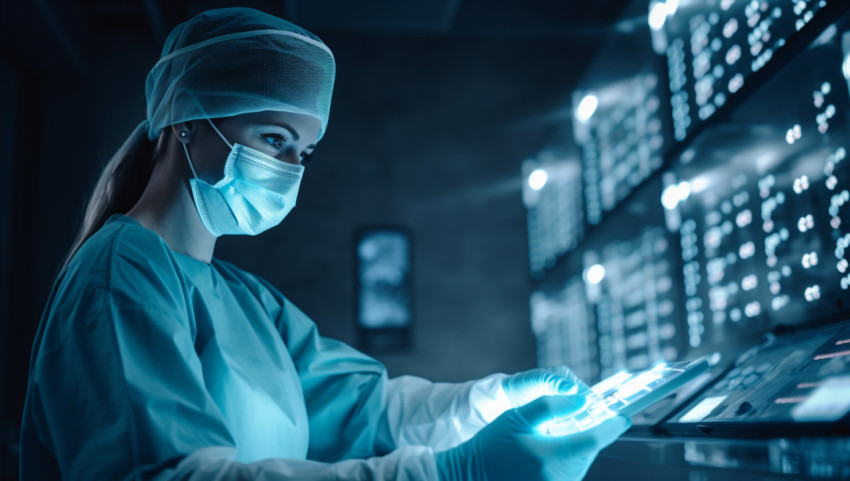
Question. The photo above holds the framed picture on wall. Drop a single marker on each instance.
(384, 298)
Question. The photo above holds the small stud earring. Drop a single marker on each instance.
(183, 134)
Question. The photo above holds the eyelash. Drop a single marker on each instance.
(270, 138)
(276, 141)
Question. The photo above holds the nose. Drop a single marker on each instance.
(291, 156)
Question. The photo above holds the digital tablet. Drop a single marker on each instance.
(627, 394)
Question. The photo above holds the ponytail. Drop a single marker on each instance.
(120, 185)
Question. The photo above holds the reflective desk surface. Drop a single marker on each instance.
(707, 459)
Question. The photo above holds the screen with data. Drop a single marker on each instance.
(621, 117)
(716, 47)
(738, 230)
(616, 306)
(764, 228)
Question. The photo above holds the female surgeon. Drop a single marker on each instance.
(155, 360)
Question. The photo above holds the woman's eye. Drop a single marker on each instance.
(276, 140)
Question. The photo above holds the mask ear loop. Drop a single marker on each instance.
(191, 165)
(185, 149)
(219, 134)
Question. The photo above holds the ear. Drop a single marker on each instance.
(183, 131)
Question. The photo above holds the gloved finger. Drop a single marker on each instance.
(560, 380)
(594, 439)
(546, 408)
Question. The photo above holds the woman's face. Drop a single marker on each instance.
(286, 136)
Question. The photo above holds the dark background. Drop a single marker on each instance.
(436, 104)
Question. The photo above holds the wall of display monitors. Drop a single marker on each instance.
(734, 243)
(713, 48)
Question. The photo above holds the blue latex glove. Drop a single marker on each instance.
(524, 387)
(510, 448)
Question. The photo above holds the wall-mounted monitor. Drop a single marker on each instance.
(384, 287)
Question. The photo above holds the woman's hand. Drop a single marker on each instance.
(523, 387)
(511, 447)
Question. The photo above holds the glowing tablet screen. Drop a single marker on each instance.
(626, 394)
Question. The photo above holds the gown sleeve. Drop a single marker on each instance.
(356, 411)
(442, 415)
(117, 392)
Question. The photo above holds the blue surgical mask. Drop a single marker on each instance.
(256, 193)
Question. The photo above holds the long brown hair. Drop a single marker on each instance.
(120, 184)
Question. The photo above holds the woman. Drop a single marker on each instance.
(155, 360)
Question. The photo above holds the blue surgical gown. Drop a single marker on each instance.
(149, 362)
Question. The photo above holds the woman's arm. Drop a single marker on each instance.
(442, 415)
(121, 394)
(356, 412)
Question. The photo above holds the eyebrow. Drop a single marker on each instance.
(292, 131)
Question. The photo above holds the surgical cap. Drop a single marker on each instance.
(233, 61)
